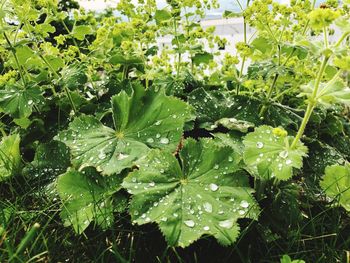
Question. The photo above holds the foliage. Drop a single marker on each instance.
(104, 131)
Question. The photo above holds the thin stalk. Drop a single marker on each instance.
(52, 69)
(263, 109)
(325, 37)
(311, 105)
(345, 34)
(13, 50)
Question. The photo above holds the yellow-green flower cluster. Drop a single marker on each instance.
(322, 17)
(8, 77)
(243, 49)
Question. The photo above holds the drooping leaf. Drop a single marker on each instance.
(269, 154)
(87, 196)
(10, 157)
(206, 196)
(221, 104)
(19, 102)
(50, 160)
(142, 120)
(336, 184)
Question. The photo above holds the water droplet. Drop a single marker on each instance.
(206, 228)
(101, 155)
(226, 223)
(30, 102)
(213, 187)
(241, 212)
(283, 154)
(158, 123)
(259, 145)
(164, 140)
(150, 140)
(208, 207)
(189, 223)
(288, 162)
(158, 135)
(152, 184)
(216, 166)
(244, 204)
(122, 156)
(230, 159)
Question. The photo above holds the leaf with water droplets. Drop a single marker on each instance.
(50, 160)
(194, 200)
(142, 120)
(268, 153)
(87, 196)
(336, 184)
(19, 102)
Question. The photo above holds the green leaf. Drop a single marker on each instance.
(143, 120)
(221, 104)
(86, 197)
(200, 58)
(73, 76)
(124, 60)
(329, 93)
(50, 160)
(79, 32)
(336, 184)
(268, 153)
(205, 195)
(10, 157)
(19, 102)
(162, 16)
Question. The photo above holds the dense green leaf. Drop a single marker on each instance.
(206, 195)
(329, 93)
(142, 120)
(268, 153)
(79, 32)
(19, 102)
(162, 16)
(10, 157)
(50, 160)
(203, 57)
(336, 184)
(87, 196)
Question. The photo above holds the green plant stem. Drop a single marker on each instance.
(345, 34)
(325, 37)
(65, 88)
(13, 50)
(52, 69)
(311, 105)
(264, 107)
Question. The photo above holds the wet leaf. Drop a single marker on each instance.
(206, 196)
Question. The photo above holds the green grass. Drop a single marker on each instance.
(321, 234)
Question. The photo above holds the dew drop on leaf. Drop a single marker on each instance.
(206, 228)
(288, 162)
(226, 223)
(259, 145)
(283, 154)
(164, 140)
(244, 204)
(208, 207)
(150, 140)
(213, 187)
(122, 156)
(189, 223)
